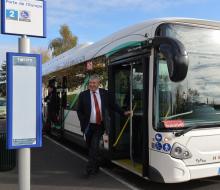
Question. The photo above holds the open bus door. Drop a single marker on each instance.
(53, 103)
(128, 81)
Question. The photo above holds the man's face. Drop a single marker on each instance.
(93, 85)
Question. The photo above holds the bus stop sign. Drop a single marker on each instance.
(22, 17)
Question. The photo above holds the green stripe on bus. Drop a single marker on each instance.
(127, 44)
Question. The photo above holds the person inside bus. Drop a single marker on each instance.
(91, 110)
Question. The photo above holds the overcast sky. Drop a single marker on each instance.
(92, 20)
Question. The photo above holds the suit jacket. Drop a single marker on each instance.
(84, 107)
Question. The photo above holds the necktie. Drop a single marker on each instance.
(98, 113)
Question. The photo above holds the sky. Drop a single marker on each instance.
(92, 20)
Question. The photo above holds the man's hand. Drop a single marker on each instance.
(128, 113)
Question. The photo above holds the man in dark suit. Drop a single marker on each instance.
(93, 105)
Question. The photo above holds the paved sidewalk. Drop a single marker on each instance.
(55, 168)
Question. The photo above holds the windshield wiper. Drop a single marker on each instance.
(184, 131)
(178, 115)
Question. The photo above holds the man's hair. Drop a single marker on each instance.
(94, 77)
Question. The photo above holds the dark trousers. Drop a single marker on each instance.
(94, 155)
(51, 119)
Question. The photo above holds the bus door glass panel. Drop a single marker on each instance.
(122, 85)
(129, 83)
(137, 106)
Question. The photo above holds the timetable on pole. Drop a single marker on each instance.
(24, 114)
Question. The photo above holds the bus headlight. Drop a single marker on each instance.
(180, 152)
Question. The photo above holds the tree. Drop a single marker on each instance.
(3, 80)
(44, 53)
(63, 43)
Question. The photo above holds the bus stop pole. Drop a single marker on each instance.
(24, 154)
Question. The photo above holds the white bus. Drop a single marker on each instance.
(167, 71)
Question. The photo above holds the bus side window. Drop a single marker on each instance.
(72, 102)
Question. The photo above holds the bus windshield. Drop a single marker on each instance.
(196, 99)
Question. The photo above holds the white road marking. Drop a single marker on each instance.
(102, 169)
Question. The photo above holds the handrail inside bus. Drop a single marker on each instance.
(123, 128)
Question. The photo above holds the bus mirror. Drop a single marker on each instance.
(177, 58)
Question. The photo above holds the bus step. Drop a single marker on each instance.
(128, 164)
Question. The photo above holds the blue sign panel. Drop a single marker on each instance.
(11, 14)
(158, 137)
(19, 17)
(158, 146)
(25, 16)
(166, 147)
(24, 112)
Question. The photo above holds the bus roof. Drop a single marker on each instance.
(132, 33)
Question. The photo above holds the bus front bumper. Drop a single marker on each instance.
(174, 170)
(205, 170)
